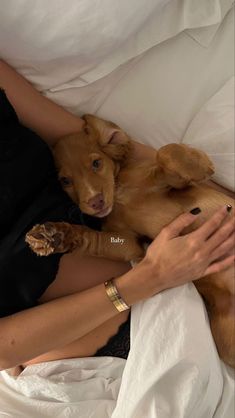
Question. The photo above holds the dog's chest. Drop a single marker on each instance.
(139, 210)
(146, 210)
(126, 195)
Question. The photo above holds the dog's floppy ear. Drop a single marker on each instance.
(113, 140)
(180, 165)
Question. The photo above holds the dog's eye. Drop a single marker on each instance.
(65, 181)
(96, 164)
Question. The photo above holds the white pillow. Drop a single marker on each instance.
(212, 130)
(159, 97)
(55, 42)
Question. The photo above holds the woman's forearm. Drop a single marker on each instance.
(55, 324)
(35, 111)
(33, 332)
(44, 117)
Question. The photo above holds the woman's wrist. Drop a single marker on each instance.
(138, 284)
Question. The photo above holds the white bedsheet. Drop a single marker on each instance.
(173, 371)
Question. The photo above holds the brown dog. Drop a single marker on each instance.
(136, 201)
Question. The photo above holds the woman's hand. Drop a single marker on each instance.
(173, 260)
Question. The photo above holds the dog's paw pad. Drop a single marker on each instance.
(45, 239)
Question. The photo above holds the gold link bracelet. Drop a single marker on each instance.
(114, 296)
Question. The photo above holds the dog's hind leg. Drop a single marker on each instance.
(179, 165)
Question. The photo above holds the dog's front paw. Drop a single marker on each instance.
(47, 238)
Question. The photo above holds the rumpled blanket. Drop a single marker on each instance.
(172, 371)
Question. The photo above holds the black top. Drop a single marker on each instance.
(119, 344)
(29, 194)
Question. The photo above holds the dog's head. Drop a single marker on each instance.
(88, 163)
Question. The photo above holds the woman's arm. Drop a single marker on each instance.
(35, 111)
(171, 260)
(44, 117)
(30, 333)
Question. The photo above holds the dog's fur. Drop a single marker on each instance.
(136, 201)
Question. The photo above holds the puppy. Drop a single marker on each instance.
(98, 172)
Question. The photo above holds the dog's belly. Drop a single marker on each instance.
(147, 213)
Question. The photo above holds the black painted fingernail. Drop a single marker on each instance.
(195, 211)
(229, 208)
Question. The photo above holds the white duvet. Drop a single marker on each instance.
(173, 371)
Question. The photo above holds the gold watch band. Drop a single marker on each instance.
(114, 296)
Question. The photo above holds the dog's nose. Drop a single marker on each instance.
(97, 202)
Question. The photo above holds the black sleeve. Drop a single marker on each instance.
(29, 194)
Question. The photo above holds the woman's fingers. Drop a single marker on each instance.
(225, 248)
(209, 227)
(202, 233)
(220, 235)
(182, 221)
(220, 265)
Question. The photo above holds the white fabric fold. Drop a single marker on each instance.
(173, 370)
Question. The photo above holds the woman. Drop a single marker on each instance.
(58, 307)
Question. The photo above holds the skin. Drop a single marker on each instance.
(89, 318)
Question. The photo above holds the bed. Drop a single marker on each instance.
(166, 74)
